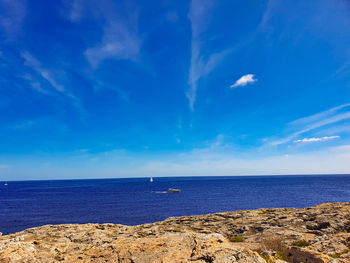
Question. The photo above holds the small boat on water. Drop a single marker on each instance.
(151, 179)
(5, 184)
(173, 191)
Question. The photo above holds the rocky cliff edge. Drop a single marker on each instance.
(313, 235)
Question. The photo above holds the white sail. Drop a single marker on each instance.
(151, 180)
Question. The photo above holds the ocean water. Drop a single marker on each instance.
(25, 204)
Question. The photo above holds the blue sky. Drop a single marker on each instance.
(95, 89)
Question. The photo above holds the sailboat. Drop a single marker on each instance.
(151, 179)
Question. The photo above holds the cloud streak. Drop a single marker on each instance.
(244, 81)
(201, 64)
(319, 116)
(48, 76)
(44, 73)
(325, 138)
(313, 122)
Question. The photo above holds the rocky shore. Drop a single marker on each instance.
(310, 235)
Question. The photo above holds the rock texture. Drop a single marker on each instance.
(316, 234)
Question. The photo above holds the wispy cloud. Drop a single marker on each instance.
(336, 129)
(13, 13)
(44, 73)
(200, 67)
(75, 9)
(102, 85)
(244, 80)
(34, 84)
(48, 75)
(120, 40)
(319, 116)
(314, 139)
(343, 70)
(37, 86)
(310, 123)
(201, 64)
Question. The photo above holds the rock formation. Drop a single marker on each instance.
(313, 235)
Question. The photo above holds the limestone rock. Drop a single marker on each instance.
(317, 234)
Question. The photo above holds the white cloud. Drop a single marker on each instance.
(325, 138)
(244, 80)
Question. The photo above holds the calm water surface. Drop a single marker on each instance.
(25, 204)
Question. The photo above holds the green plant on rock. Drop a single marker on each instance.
(237, 239)
(301, 243)
(281, 256)
(266, 258)
(337, 255)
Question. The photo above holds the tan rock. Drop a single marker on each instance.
(316, 234)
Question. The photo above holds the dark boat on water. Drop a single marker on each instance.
(173, 191)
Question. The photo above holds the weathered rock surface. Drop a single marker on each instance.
(316, 234)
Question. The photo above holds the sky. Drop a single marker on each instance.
(111, 88)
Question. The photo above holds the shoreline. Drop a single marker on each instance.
(317, 234)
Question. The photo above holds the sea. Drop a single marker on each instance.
(133, 201)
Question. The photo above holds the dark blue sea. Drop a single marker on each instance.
(25, 204)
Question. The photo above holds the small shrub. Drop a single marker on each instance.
(265, 257)
(280, 255)
(337, 255)
(273, 243)
(237, 239)
(301, 243)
